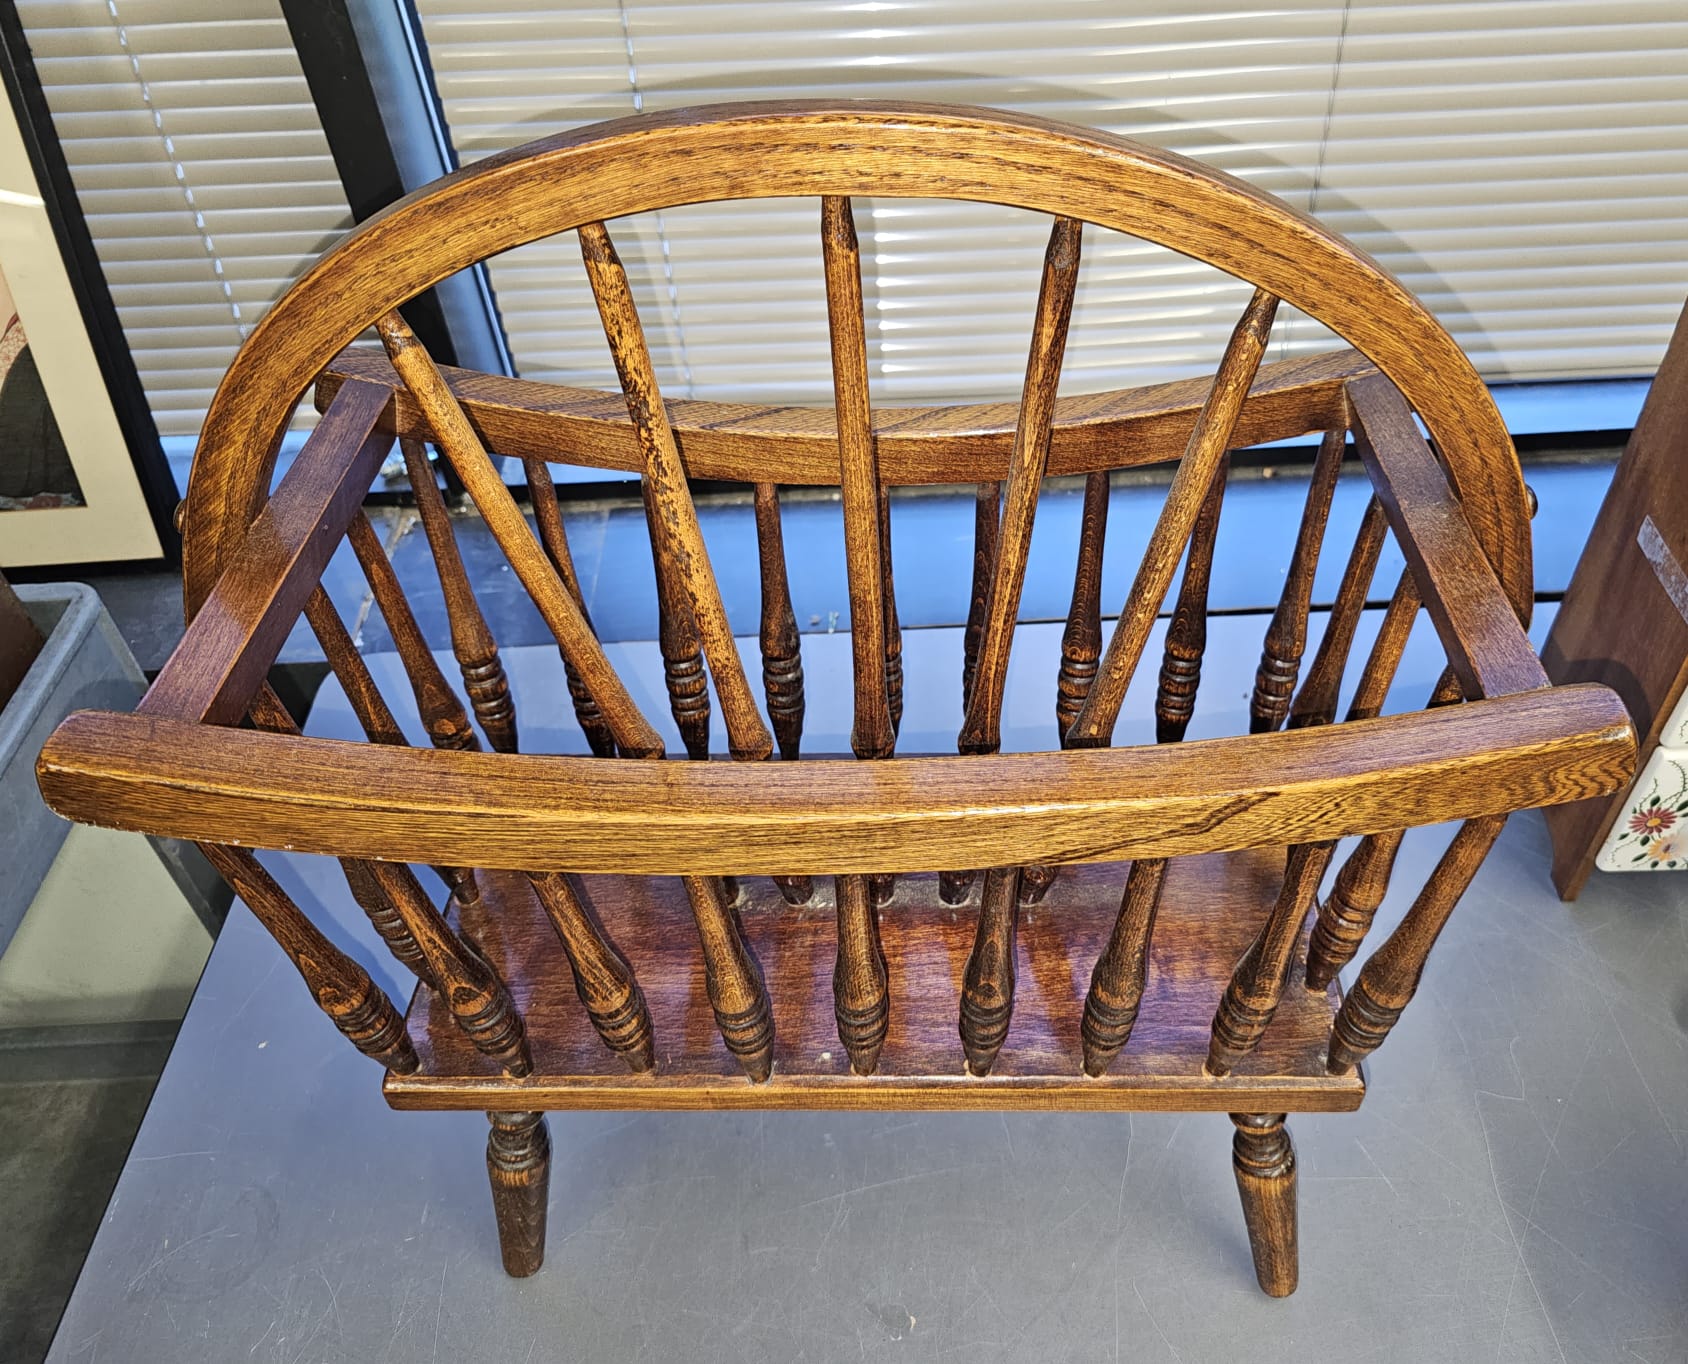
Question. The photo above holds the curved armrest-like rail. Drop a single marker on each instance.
(217, 785)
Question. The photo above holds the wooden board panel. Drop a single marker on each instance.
(1211, 908)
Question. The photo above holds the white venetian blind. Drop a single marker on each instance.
(1522, 164)
(201, 167)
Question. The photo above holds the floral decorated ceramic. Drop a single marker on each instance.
(1651, 833)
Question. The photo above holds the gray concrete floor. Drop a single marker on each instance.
(1515, 1187)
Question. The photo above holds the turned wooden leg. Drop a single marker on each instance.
(518, 1162)
(1264, 1160)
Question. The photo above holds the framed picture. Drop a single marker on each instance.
(83, 478)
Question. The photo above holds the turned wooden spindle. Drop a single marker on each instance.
(987, 987)
(1286, 636)
(1081, 641)
(1390, 977)
(732, 979)
(1256, 986)
(1209, 441)
(893, 627)
(548, 517)
(471, 639)
(469, 984)
(1186, 633)
(342, 989)
(1362, 881)
(1386, 650)
(677, 539)
(955, 886)
(518, 1162)
(987, 528)
(1035, 881)
(1263, 1158)
(442, 713)
(1315, 703)
(782, 658)
(861, 994)
(602, 978)
(455, 437)
(680, 645)
(1116, 985)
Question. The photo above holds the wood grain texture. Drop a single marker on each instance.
(677, 539)
(782, 656)
(861, 995)
(1387, 646)
(871, 733)
(1081, 640)
(987, 527)
(457, 440)
(1286, 636)
(233, 639)
(602, 978)
(471, 639)
(1316, 702)
(987, 984)
(527, 811)
(1116, 985)
(893, 626)
(924, 445)
(1390, 977)
(553, 537)
(1209, 441)
(518, 1163)
(1257, 985)
(732, 978)
(341, 988)
(1210, 908)
(1186, 632)
(678, 641)
(981, 730)
(1263, 1158)
(1618, 623)
(1479, 627)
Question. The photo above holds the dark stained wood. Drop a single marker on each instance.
(1035, 881)
(1210, 907)
(518, 1162)
(871, 734)
(379, 910)
(602, 977)
(1264, 1161)
(981, 731)
(732, 978)
(553, 536)
(1257, 985)
(20, 642)
(1286, 636)
(208, 784)
(350, 671)
(955, 886)
(1624, 619)
(1479, 627)
(234, 638)
(987, 987)
(679, 643)
(341, 988)
(893, 627)
(459, 443)
(476, 996)
(1209, 442)
(1186, 633)
(782, 658)
(1390, 977)
(442, 713)
(674, 528)
(959, 443)
(1116, 985)
(987, 527)
(1315, 703)
(1081, 641)
(861, 996)
(1385, 657)
(471, 640)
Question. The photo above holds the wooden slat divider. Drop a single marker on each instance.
(471, 639)
(675, 530)
(604, 981)
(1186, 632)
(1315, 703)
(893, 627)
(732, 979)
(1116, 983)
(457, 439)
(860, 984)
(678, 641)
(987, 529)
(1286, 636)
(782, 657)
(987, 986)
(1081, 641)
(1209, 441)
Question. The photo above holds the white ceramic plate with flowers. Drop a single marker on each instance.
(1651, 834)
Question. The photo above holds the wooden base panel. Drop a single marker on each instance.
(1211, 908)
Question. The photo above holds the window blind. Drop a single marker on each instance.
(1522, 165)
(201, 167)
